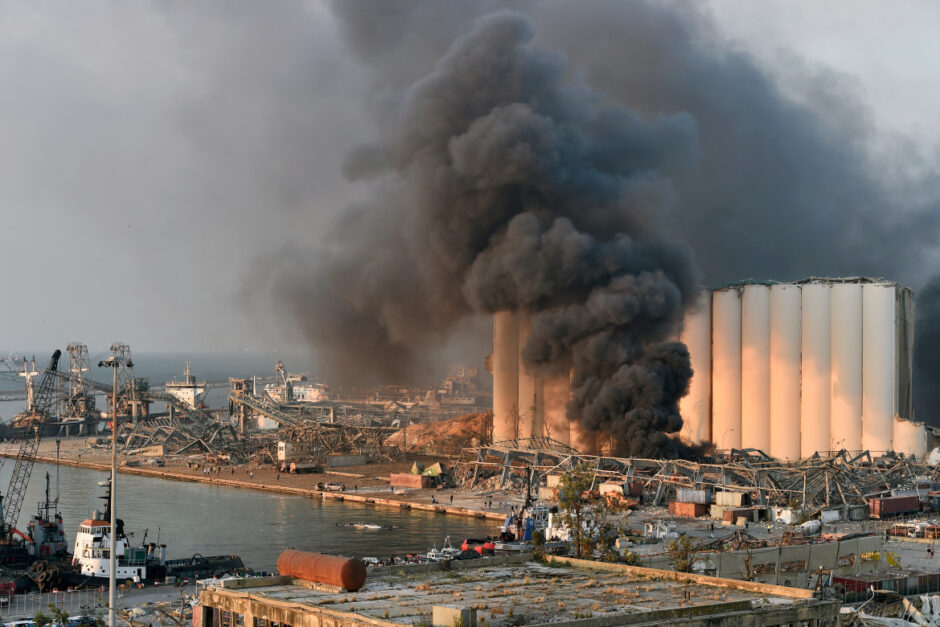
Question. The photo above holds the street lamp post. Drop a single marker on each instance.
(724, 436)
(114, 363)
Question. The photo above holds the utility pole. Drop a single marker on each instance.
(114, 362)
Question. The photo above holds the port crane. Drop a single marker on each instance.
(42, 401)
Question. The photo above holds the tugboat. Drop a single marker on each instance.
(93, 545)
(138, 563)
(38, 557)
(46, 531)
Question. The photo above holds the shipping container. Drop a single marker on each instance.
(688, 495)
(752, 514)
(731, 514)
(686, 510)
(608, 487)
(302, 467)
(858, 512)
(733, 499)
(893, 505)
(408, 480)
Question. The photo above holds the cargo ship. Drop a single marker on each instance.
(146, 562)
(188, 390)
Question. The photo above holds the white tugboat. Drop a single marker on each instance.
(138, 563)
(93, 546)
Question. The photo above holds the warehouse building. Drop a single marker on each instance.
(511, 591)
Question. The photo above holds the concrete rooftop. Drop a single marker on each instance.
(529, 593)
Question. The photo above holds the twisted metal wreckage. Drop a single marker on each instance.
(190, 430)
(823, 480)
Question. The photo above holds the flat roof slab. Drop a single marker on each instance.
(530, 593)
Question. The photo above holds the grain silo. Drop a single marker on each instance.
(796, 368)
(726, 368)
(788, 368)
(505, 375)
(815, 368)
(527, 404)
(695, 407)
(845, 336)
(755, 367)
(785, 369)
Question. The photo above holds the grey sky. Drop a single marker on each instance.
(152, 155)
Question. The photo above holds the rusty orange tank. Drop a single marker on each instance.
(335, 570)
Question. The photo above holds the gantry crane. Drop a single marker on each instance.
(37, 417)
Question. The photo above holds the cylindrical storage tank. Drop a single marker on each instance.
(726, 368)
(505, 374)
(878, 366)
(910, 438)
(846, 366)
(755, 367)
(334, 570)
(530, 393)
(582, 440)
(814, 405)
(695, 407)
(556, 392)
(785, 334)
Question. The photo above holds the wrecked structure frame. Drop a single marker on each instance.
(836, 479)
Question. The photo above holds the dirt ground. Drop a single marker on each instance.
(368, 480)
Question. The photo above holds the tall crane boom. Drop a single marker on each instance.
(26, 456)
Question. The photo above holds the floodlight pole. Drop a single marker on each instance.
(113, 363)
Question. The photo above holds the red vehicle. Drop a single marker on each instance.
(483, 547)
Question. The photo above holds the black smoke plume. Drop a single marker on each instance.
(927, 353)
(510, 174)
(506, 184)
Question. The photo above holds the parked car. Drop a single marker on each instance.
(331, 486)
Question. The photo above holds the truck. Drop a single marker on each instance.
(885, 506)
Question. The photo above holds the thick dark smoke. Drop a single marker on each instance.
(508, 185)
(555, 162)
(927, 353)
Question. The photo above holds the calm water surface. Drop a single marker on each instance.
(195, 518)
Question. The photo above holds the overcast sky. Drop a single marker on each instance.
(154, 156)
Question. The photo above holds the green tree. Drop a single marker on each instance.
(575, 504)
(585, 513)
(59, 616)
(682, 552)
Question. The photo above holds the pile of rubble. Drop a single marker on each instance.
(818, 482)
(455, 433)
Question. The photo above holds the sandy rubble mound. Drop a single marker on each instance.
(456, 432)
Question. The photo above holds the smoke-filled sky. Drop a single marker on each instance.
(175, 175)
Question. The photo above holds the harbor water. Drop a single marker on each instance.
(195, 518)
